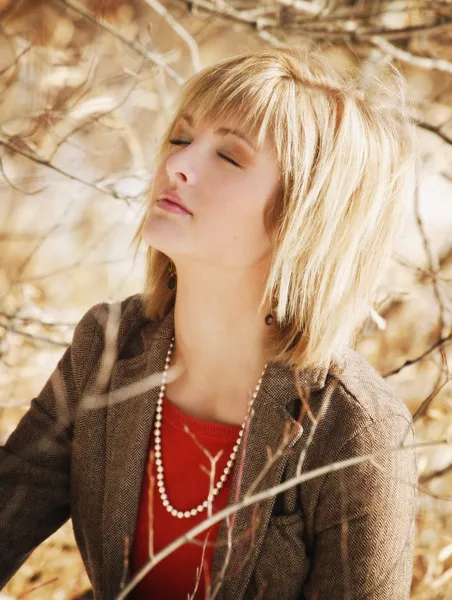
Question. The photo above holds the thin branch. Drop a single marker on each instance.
(436, 130)
(180, 31)
(404, 32)
(34, 337)
(425, 405)
(14, 186)
(46, 163)
(74, 266)
(432, 262)
(419, 358)
(423, 62)
(435, 474)
(97, 118)
(17, 58)
(35, 321)
(136, 46)
(264, 495)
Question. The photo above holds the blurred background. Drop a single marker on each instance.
(85, 89)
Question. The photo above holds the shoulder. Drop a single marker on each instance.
(355, 403)
(368, 417)
(356, 413)
(364, 391)
(122, 321)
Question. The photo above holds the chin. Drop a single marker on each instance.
(164, 236)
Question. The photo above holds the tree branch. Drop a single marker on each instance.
(136, 46)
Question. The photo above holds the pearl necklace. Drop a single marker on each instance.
(158, 449)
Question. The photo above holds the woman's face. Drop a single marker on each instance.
(227, 200)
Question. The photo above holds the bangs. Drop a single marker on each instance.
(228, 94)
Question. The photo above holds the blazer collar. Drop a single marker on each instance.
(129, 422)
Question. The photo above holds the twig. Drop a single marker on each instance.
(125, 563)
(263, 495)
(435, 474)
(422, 409)
(432, 261)
(33, 336)
(423, 62)
(211, 473)
(46, 163)
(180, 31)
(199, 569)
(435, 129)
(36, 587)
(413, 361)
(136, 46)
(230, 522)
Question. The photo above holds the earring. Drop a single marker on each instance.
(172, 277)
(269, 319)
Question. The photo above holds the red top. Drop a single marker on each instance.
(187, 486)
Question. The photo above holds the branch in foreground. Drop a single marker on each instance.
(265, 494)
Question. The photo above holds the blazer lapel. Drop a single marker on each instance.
(266, 430)
(128, 427)
(273, 413)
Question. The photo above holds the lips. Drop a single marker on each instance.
(172, 197)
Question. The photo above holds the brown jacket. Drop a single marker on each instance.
(348, 534)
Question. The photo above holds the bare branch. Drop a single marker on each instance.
(435, 129)
(136, 46)
(180, 31)
(46, 163)
(263, 495)
(34, 337)
(419, 358)
(430, 64)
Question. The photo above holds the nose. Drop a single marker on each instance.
(180, 167)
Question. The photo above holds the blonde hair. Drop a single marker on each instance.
(348, 165)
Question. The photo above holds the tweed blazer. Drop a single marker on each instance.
(343, 534)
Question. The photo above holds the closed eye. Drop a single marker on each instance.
(180, 142)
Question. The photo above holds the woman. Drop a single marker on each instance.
(278, 192)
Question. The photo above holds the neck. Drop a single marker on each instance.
(220, 333)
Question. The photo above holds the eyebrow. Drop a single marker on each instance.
(224, 131)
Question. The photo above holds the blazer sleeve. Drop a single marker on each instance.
(365, 520)
(35, 461)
